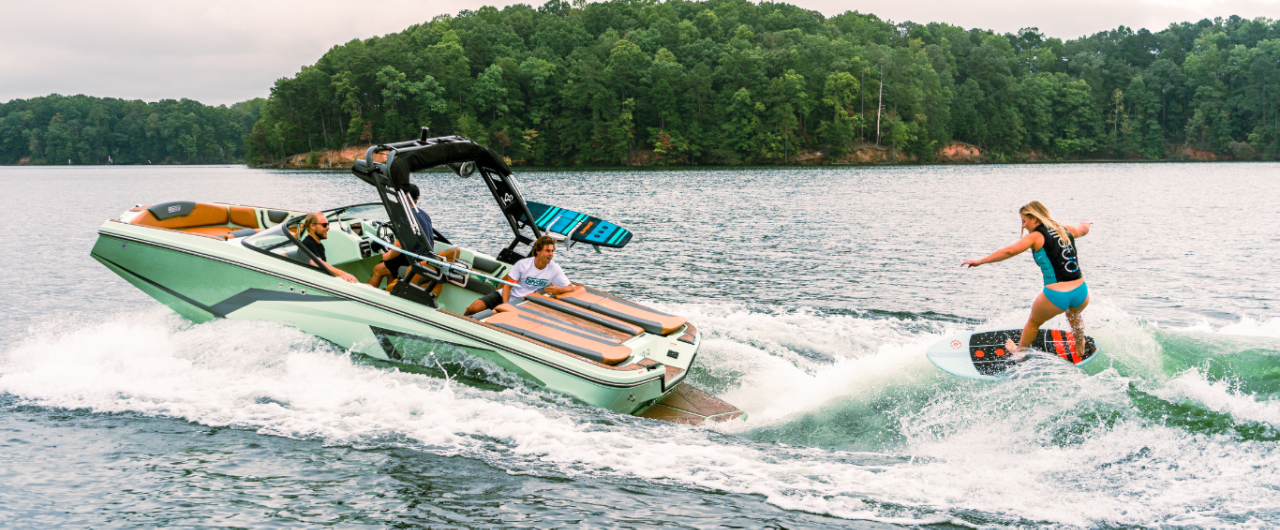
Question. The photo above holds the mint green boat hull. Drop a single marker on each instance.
(204, 279)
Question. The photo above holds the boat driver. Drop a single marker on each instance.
(315, 228)
(392, 260)
(537, 272)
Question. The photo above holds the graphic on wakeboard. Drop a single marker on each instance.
(586, 229)
(981, 355)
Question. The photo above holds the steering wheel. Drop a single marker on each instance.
(385, 233)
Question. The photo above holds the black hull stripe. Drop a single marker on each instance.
(384, 335)
(234, 303)
(171, 292)
(250, 296)
(409, 316)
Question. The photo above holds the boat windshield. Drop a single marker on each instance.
(279, 243)
(361, 212)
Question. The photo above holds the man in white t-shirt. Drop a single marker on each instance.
(538, 272)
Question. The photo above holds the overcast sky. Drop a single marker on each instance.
(224, 51)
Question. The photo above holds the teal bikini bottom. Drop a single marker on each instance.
(1065, 300)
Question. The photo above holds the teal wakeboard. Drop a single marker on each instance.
(584, 228)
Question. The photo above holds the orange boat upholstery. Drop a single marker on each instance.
(215, 231)
(650, 320)
(244, 216)
(214, 220)
(559, 333)
(591, 316)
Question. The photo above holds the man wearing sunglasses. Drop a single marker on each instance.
(316, 229)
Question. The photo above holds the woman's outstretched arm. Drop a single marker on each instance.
(1080, 230)
(1005, 253)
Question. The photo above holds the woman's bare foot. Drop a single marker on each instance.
(1015, 351)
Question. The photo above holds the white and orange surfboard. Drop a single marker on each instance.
(982, 355)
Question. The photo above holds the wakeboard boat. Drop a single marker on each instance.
(216, 260)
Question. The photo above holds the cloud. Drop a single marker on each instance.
(223, 51)
(215, 52)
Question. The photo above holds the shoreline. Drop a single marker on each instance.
(693, 167)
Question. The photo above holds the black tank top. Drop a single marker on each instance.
(1057, 261)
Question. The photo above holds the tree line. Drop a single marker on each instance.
(712, 82)
(736, 82)
(81, 129)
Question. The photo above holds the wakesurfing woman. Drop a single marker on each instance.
(1064, 287)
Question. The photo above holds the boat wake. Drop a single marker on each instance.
(847, 417)
(1247, 326)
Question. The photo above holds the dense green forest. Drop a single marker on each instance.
(714, 82)
(87, 130)
(735, 82)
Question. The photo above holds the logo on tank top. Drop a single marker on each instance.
(1070, 265)
(536, 282)
(1069, 261)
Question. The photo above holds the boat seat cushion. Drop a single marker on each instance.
(215, 231)
(485, 265)
(559, 323)
(244, 216)
(585, 314)
(277, 216)
(165, 210)
(650, 320)
(179, 215)
(560, 334)
(477, 285)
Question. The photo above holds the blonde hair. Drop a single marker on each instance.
(1041, 214)
(312, 218)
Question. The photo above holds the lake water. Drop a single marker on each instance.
(817, 290)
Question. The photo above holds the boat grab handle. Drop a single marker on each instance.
(441, 263)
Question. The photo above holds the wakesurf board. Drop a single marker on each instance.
(981, 354)
(580, 227)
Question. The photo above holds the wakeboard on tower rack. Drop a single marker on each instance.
(465, 158)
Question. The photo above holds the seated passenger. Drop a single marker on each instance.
(537, 272)
(424, 220)
(392, 260)
(315, 228)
